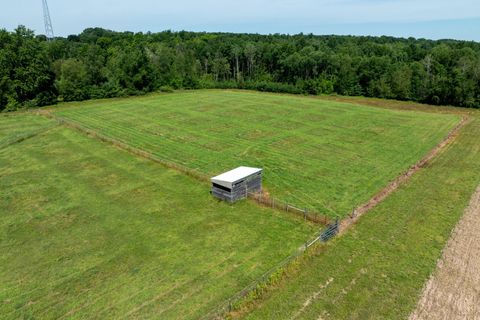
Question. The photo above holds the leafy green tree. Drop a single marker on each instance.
(129, 68)
(25, 77)
(73, 79)
(250, 52)
(220, 68)
(401, 83)
(102, 63)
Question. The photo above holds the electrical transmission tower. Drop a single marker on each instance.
(47, 20)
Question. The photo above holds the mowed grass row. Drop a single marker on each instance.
(323, 155)
(377, 270)
(17, 126)
(90, 231)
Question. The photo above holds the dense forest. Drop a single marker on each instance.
(100, 63)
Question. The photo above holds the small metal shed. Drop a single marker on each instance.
(235, 184)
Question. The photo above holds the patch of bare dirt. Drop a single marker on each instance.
(453, 291)
(392, 186)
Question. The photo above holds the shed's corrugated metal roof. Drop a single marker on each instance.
(235, 174)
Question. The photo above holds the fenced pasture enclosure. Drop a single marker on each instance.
(87, 230)
(320, 155)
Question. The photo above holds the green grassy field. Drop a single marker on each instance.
(377, 270)
(323, 155)
(90, 231)
(21, 125)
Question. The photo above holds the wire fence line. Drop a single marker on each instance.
(130, 148)
(274, 203)
(24, 136)
(259, 285)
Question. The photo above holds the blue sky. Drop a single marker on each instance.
(434, 19)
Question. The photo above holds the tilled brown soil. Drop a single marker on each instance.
(453, 291)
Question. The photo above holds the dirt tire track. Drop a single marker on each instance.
(395, 184)
(453, 291)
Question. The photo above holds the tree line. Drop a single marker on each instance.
(100, 63)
